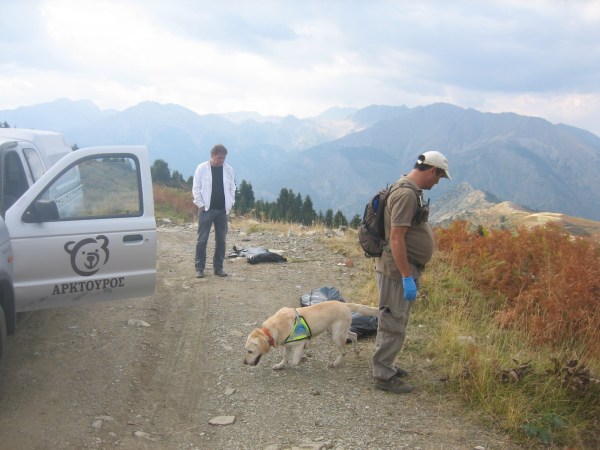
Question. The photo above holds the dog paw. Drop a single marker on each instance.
(277, 366)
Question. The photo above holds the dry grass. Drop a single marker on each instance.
(174, 204)
(537, 373)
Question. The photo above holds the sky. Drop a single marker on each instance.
(531, 57)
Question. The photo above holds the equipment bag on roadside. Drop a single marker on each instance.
(321, 295)
(361, 325)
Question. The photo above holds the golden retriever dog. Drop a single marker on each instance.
(282, 328)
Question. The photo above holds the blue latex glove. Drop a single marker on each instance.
(410, 288)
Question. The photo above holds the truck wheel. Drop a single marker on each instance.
(2, 338)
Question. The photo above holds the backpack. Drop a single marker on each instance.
(371, 233)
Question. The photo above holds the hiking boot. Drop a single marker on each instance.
(400, 373)
(393, 385)
(221, 273)
(199, 273)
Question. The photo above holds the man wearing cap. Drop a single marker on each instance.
(409, 247)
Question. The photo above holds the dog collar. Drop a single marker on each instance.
(269, 337)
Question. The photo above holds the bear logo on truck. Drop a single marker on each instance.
(87, 254)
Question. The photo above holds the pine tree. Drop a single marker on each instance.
(260, 209)
(308, 215)
(177, 180)
(356, 221)
(244, 198)
(296, 209)
(329, 218)
(284, 204)
(339, 220)
(160, 172)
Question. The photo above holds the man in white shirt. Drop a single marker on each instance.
(214, 195)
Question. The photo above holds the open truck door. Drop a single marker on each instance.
(85, 231)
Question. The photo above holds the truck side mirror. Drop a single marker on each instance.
(42, 210)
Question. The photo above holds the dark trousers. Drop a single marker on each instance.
(206, 219)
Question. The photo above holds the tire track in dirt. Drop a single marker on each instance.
(173, 380)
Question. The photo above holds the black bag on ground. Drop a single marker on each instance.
(247, 252)
(320, 295)
(266, 257)
(255, 255)
(363, 325)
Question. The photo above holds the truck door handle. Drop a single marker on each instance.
(133, 238)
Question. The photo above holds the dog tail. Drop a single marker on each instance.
(362, 309)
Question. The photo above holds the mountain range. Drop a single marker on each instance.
(344, 155)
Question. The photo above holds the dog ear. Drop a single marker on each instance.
(263, 345)
(260, 340)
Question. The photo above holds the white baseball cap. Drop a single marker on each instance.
(435, 159)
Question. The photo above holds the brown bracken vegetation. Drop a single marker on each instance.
(174, 203)
(549, 279)
(531, 295)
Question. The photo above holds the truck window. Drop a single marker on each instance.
(98, 188)
(36, 167)
(14, 179)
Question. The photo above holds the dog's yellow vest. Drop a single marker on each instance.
(300, 331)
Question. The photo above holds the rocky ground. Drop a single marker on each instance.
(166, 372)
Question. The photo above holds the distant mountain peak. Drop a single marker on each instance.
(460, 202)
(344, 154)
(336, 113)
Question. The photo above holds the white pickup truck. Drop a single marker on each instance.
(76, 227)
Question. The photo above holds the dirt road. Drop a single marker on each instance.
(152, 373)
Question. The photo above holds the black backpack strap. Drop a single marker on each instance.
(407, 185)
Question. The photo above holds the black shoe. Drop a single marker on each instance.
(220, 273)
(393, 385)
(199, 273)
(400, 373)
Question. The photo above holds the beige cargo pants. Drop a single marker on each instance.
(394, 312)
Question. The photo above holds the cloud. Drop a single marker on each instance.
(301, 57)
